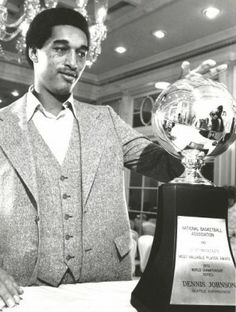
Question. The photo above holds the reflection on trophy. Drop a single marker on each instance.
(195, 120)
(191, 267)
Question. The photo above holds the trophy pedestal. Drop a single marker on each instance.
(190, 267)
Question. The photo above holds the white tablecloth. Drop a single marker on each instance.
(85, 297)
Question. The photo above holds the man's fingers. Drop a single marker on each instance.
(9, 290)
(20, 291)
(2, 304)
(218, 69)
(13, 289)
(13, 295)
(185, 67)
(6, 296)
(204, 67)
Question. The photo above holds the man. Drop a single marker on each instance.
(62, 206)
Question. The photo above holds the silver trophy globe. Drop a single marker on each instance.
(194, 120)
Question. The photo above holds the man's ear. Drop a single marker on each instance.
(33, 55)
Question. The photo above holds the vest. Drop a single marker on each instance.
(59, 209)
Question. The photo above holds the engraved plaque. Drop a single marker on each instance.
(204, 269)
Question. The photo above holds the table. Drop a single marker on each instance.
(85, 297)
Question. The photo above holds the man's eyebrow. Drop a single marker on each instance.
(66, 42)
(60, 41)
(84, 47)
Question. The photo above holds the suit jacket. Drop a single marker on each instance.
(107, 145)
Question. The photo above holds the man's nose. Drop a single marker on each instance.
(71, 59)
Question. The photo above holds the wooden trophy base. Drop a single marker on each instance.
(191, 267)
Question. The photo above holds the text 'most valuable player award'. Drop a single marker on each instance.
(191, 267)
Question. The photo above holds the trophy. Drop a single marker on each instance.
(191, 267)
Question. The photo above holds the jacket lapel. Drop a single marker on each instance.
(93, 136)
(15, 142)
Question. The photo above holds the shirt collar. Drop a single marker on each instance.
(33, 104)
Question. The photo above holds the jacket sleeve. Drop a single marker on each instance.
(144, 156)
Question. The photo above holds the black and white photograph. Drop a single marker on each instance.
(118, 155)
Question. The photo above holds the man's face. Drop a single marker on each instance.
(61, 61)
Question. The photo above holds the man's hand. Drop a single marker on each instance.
(9, 290)
(207, 69)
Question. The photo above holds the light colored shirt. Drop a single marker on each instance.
(55, 130)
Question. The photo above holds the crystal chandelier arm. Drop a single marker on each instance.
(81, 7)
(81, 3)
(98, 30)
(100, 11)
(11, 35)
(17, 23)
(50, 3)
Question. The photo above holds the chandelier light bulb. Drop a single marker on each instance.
(101, 15)
(24, 27)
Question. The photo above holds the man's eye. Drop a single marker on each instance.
(60, 49)
(82, 53)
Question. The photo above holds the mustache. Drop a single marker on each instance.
(69, 72)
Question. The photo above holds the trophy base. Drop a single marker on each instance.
(190, 267)
(192, 176)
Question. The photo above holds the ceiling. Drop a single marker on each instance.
(132, 26)
(131, 23)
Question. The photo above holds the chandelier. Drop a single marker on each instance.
(18, 29)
